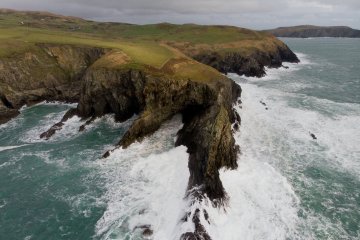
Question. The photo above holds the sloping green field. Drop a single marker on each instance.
(139, 45)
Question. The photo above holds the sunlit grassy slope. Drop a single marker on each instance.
(142, 45)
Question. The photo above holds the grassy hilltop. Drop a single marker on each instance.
(154, 71)
(140, 45)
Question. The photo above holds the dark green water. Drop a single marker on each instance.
(48, 189)
(288, 186)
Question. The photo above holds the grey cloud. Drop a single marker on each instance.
(258, 14)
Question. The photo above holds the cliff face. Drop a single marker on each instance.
(44, 72)
(84, 75)
(252, 65)
(106, 81)
(206, 109)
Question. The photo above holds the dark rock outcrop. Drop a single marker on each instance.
(206, 108)
(58, 126)
(249, 65)
(313, 136)
(200, 232)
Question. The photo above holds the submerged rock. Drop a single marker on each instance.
(58, 126)
(313, 136)
(263, 103)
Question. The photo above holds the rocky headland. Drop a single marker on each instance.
(152, 80)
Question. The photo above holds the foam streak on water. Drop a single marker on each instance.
(10, 147)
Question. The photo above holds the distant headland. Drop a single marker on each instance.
(310, 31)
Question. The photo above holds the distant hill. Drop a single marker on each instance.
(306, 31)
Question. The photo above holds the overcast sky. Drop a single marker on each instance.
(256, 14)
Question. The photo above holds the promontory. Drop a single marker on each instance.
(152, 72)
(310, 31)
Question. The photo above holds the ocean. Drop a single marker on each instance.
(298, 174)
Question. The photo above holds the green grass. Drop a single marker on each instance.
(165, 32)
(21, 38)
(134, 46)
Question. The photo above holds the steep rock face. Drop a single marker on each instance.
(44, 72)
(249, 65)
(206, 109)
(208, 136)
(70, 73)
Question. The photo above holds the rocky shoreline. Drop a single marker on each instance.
(69, 73)
(250, 66)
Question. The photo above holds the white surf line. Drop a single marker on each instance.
(48, 103)
(11, 147)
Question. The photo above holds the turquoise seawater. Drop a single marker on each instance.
(48, 189)
(288, 185)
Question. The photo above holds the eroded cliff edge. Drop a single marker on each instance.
(104, 81)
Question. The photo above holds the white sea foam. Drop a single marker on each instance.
(13, 123)
(33, 135)
(47, 103)
(304, 59)
(279, 138)
(145, 184)
(3, 204)
(4, 148)
(5, 164)
(337, 133)
(262, 202)
(69, 129)
(275, 144)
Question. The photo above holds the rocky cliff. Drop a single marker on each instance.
(84, 75)
(156, 97)
(105, 81)
(151, 71)
(250, 65)
(206, 109)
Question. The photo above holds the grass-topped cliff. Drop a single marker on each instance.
(174, 50)
(144, 44)
(152, 71)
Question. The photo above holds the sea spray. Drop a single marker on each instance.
(146, 185)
